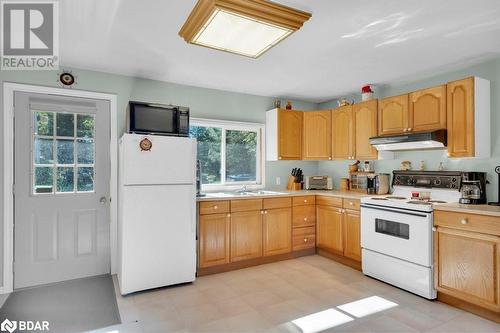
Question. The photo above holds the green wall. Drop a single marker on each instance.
(489, 70)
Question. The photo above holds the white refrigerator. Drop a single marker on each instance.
(157, 212)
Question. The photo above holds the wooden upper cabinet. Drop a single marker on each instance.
(214, 239)
(246, 235)
(467, 266)
(428, 109)
(365, 127)
(393, 115)
(329, 229)
(460, 112)
(352, 234)
(317, 135)
(284, 135)
(277, 231)
(343, 133)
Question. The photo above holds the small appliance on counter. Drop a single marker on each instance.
(497, 203)
(378, 183)
(473, 188)
(358, 181)
(319, 183)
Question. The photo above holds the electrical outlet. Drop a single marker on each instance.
(278, 180)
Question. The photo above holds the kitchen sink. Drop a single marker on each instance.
(242, 194)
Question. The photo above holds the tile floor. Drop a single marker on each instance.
(267, 298)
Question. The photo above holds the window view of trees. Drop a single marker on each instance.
(240, 150)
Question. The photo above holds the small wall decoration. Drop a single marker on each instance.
(288, 105)
(67, 79)
(277, 103)
(145, 144)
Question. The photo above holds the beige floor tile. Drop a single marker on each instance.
(467, 322)
(199, 315)
(261, 298)
(386, 324)
(232, 307)
(413, 318)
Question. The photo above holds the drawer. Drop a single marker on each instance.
(351, 204)
(304, 215)
(213, 207)
(479, 223)
(271, 203)
(328, 201)
(304, 200)
(302, 242)
(246, 205)
(304, 231)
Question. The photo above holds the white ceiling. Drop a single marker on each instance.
(345, 44)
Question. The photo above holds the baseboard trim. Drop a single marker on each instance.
(341, 259)
(469, 307)
(253, 262)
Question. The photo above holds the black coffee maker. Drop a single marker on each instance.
(473, 188)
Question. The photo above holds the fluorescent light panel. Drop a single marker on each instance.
(239, 34)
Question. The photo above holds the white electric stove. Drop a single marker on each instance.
(396, 230)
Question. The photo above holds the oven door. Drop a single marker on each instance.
(400, 233)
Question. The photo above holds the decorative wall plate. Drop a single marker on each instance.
(145, 144)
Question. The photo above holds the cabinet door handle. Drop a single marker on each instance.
(351, 203)
(228, 215)
(434, 229)
(409, 129)
(215, 207)
(262, 212)
(265, 212)
(305, 240)
(405, 130)
(464, 221)
(305, 219)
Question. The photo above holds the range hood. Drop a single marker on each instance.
(415, 141)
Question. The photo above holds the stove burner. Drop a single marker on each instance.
(394, 197)
(378, 198)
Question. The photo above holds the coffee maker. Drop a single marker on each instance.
(473, 188)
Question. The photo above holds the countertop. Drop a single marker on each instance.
(469, 209)
(334, 193)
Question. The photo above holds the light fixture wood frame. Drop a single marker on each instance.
(261, 10)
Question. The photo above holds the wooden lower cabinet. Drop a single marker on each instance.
(352, 233)
(246, 235)
(467, 266)
(214, 239)
(277, 231)
(329, 229)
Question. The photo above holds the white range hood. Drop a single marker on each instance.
(416, 141)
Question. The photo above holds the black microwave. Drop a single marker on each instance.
(149, 118)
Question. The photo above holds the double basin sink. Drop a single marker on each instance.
(242, 194)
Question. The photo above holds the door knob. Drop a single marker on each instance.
(103, 200)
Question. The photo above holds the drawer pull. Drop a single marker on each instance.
(351, 203)
(305, 219)
(215, 207)
(265, 212)
(464, 221)
(228, 215)
(305, 200)
(305, 240)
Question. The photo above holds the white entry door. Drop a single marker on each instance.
(62, 174)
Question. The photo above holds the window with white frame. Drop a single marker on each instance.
(230, 153)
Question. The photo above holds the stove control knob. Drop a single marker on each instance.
(437, 181)
(453, 180)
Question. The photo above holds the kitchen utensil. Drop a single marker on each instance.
(405, 166)
(497, 170)
(354, 167)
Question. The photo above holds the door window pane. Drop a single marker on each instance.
(85, 126)
(63, 160)
(43, 180)
(65, 179)
(85, 179)
(85, 151)
(43, 151)
(65, 124)
(44, 123)
(241, 150)
(65, 152)
(209, 152)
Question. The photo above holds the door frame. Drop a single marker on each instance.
(9, 88)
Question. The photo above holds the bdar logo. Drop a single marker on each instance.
(8, 326)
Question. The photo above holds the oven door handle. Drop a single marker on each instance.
(394, 210)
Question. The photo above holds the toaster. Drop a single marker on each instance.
(319, 183)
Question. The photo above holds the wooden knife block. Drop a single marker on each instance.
(292, 185)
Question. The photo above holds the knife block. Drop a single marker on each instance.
(292, 185)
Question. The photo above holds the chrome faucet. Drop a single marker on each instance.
(242, 189)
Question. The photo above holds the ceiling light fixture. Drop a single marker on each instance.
(244, 27)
